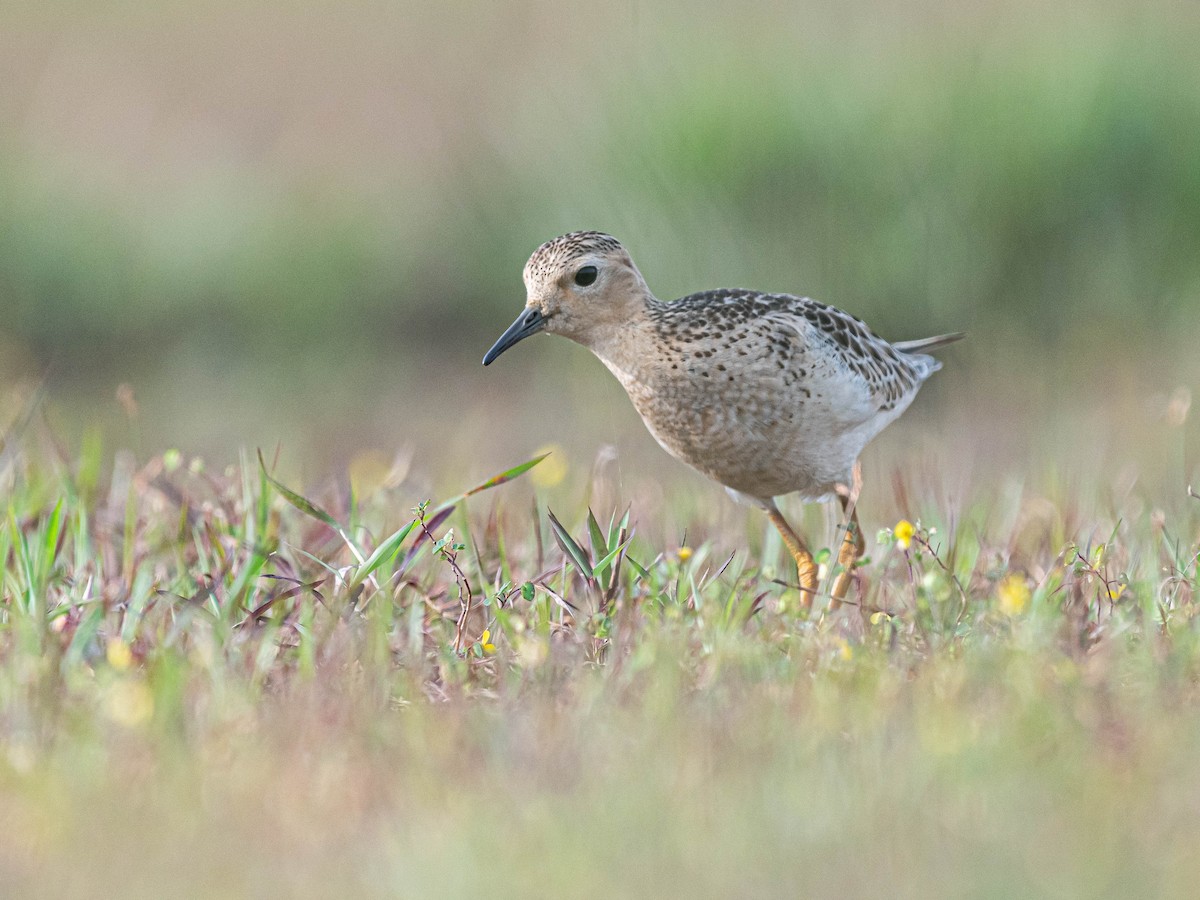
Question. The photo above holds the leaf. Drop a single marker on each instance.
(615, 528)
(291, 592)
(84, 632)
(309, 508)
(558, 598)
(332, 570)
(611, 555)
(494, 481)
(301, 503)
(614, 579)
(577, 554)
(368, 565)
(599, 545)
(439, 517)
(247, 577)
(52, 539)
(384, 551)
(642, 571)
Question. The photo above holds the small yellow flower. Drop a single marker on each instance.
(1014, 594)
(369, 472)
(129, 703)
(685, 553)
(531, 653)
(119, 656)
(485, 641)
(904, 532)
(551, 471)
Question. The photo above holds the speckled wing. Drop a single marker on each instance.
(824, 355)
(769, 393)
(852, 352)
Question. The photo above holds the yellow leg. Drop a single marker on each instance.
(806, 566)
(853, 546)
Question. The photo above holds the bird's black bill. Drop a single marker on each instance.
(529, 322)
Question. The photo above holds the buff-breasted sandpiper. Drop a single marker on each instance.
(768, 394)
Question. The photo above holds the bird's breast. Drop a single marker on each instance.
(744, 422)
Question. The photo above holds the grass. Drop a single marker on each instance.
(259, 224)
(213, 684)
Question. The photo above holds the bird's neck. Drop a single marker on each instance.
(629, 347)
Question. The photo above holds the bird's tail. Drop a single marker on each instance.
(926, 344)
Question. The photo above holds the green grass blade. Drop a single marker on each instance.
(301, 503)
(610, 556)
(309, 508)
(576, 553)
(384, 551)
(599, 544)
(641, 570)
(85, 631)
(495, 481)
(50, 539)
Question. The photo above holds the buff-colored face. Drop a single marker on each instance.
(577, 285)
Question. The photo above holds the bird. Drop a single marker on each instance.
(767, 394)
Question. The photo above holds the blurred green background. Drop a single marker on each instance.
(303, 223)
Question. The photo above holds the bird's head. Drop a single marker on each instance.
(581, 285)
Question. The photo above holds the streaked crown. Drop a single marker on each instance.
(555, 255)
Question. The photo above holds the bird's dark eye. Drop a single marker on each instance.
(585, 276)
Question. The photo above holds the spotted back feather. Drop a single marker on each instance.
(886, 373)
